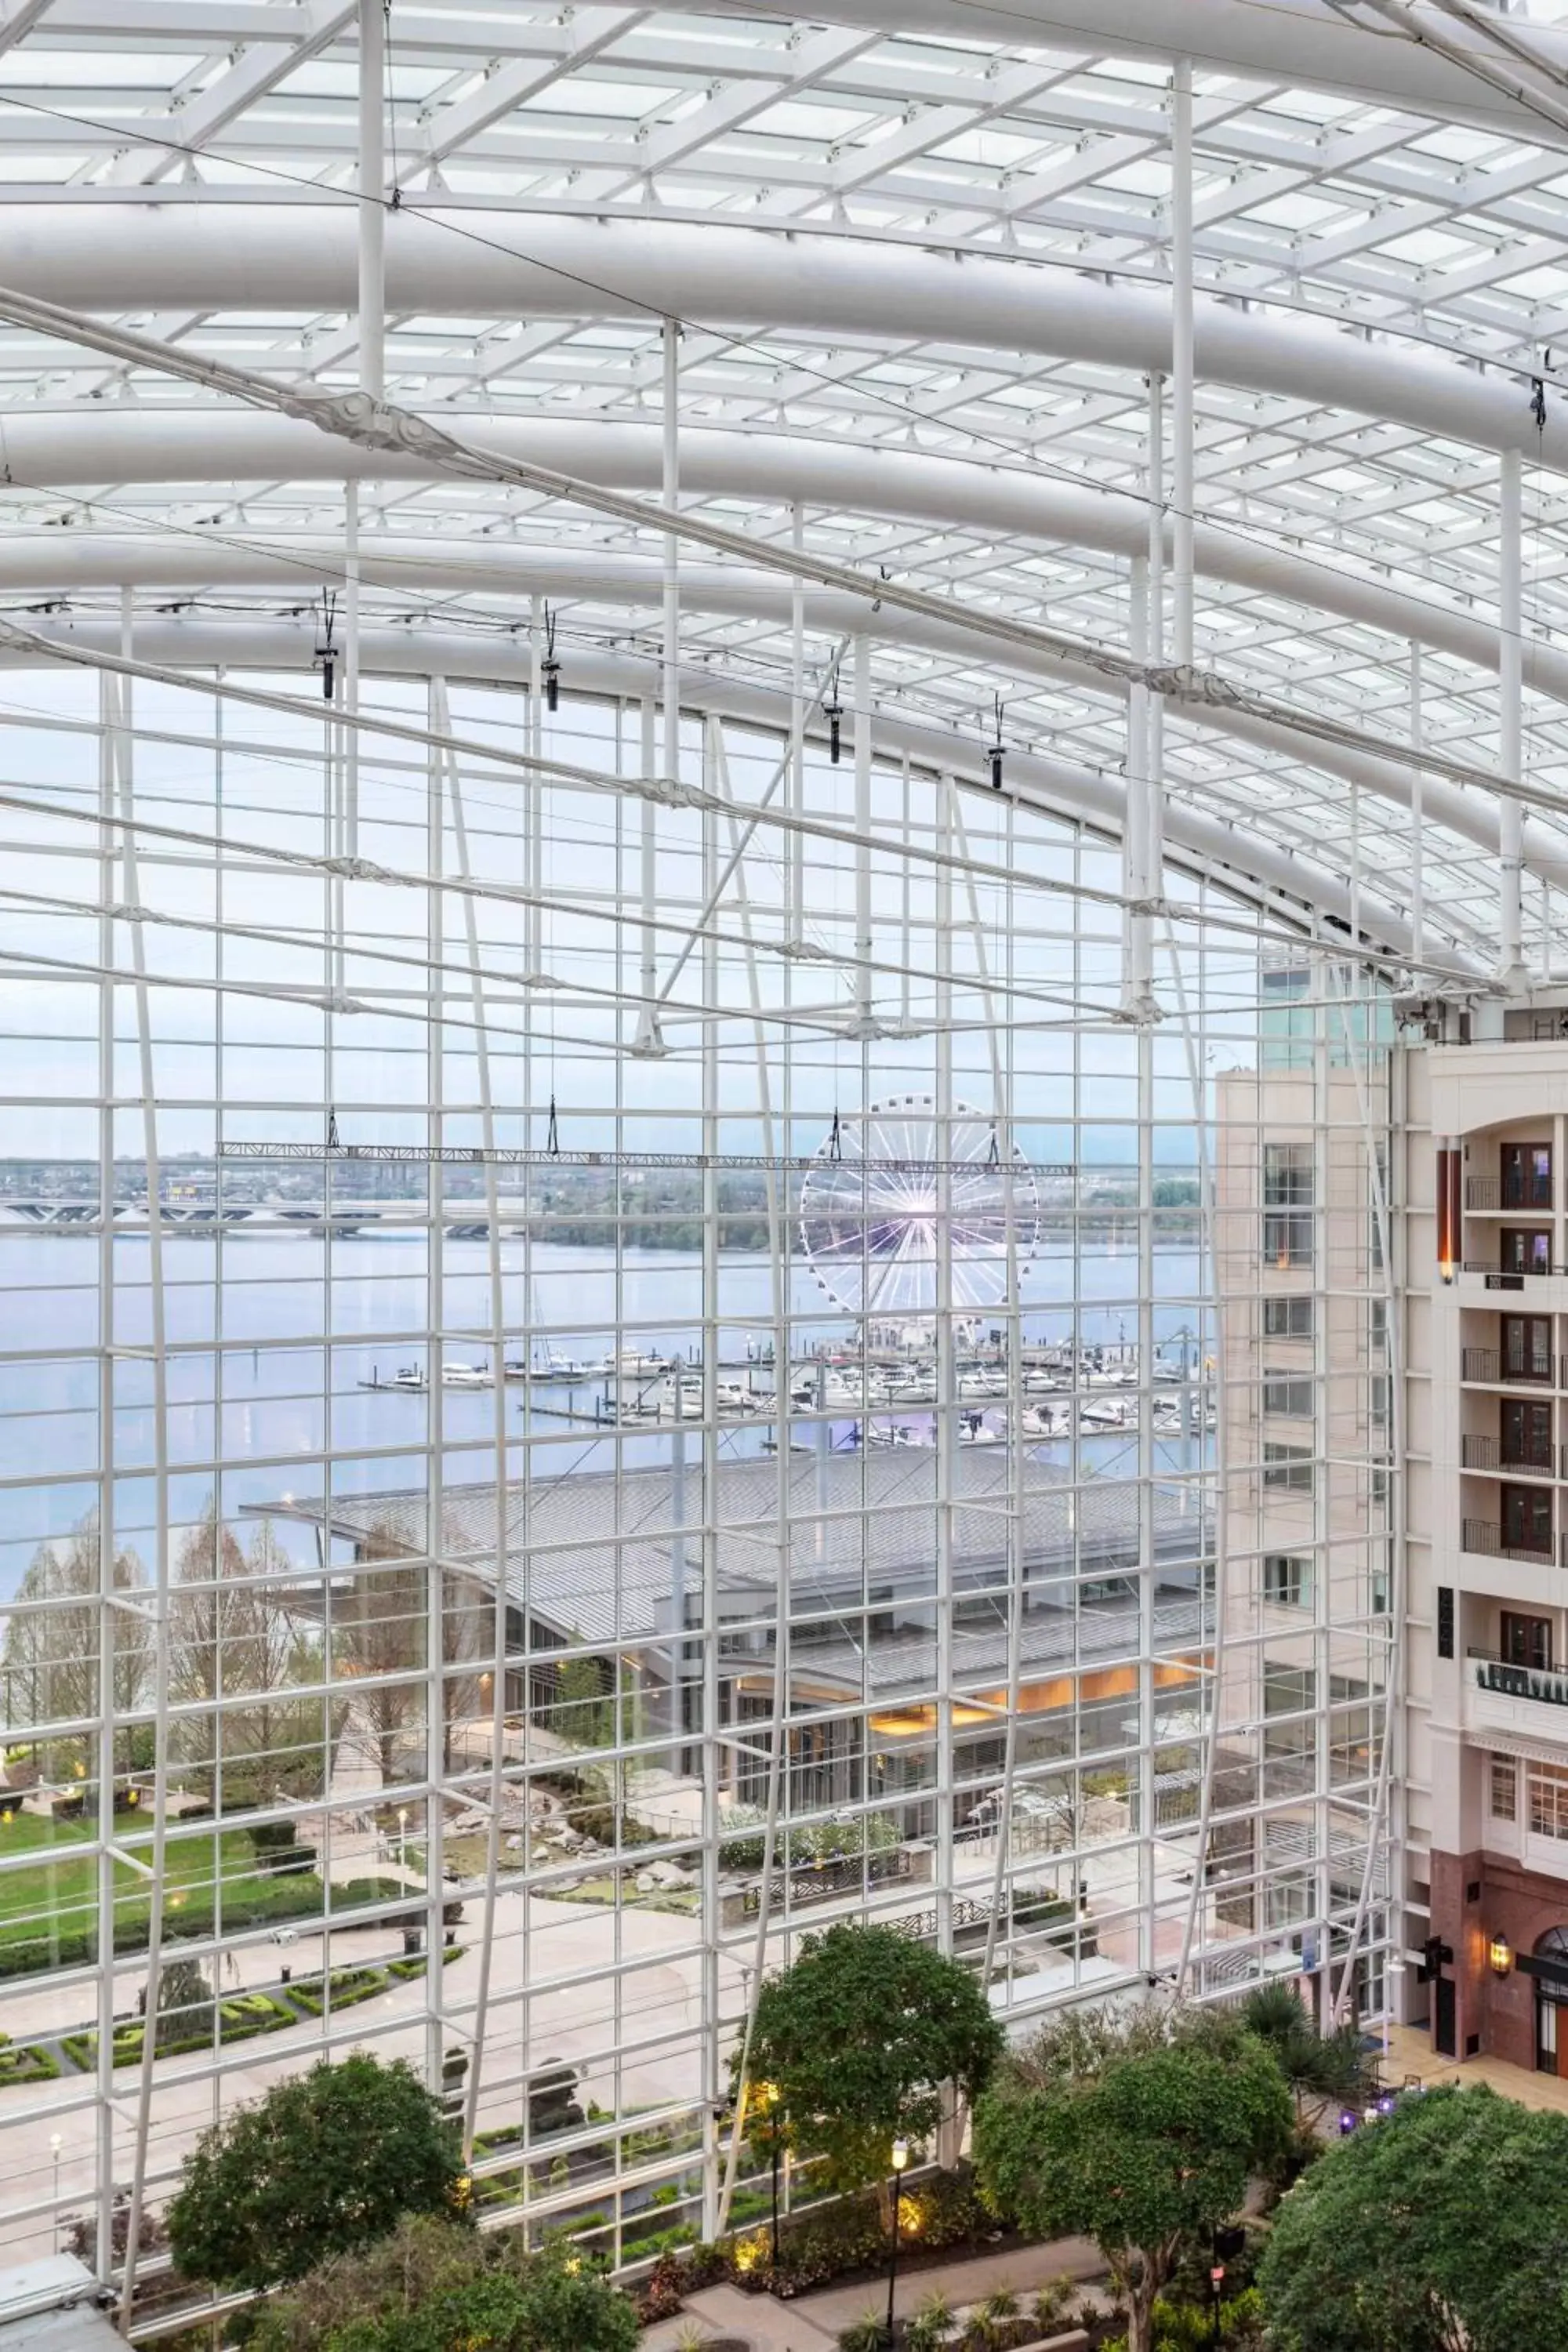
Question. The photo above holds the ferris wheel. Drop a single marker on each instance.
(873, 1204)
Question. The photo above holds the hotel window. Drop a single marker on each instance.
(1288, 1392)
(1287, 1175)
(1526, 1434)
(1287, 1318)
(1527, 1641)
(1288, 1468)
(1526, 1175)
(1527, 1521)
(1548, 1801)
(1288, 1204)
(1526, 1347)
(1502, 1791)
(1287, 1580)
(1525, 1250)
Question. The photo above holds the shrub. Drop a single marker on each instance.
(347, 1985)
(431, 2282)
(931, 2328)
(27, 2063)
(1051, 2299)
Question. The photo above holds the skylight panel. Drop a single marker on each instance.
(813, 118)
(586, 94)
(1309, 106)
(1547, 284)
(1429, 248)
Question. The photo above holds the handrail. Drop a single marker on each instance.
(1490, 1364)
(1480, 1451)
(1493, 1673)
(1493, 1265)
(1486, 1537)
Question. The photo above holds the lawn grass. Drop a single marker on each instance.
(48, 1906)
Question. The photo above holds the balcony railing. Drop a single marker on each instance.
(1491, 1265)
(1495, 1364)
(1488, 1193)
(1484, 1536)
(1493, 1453)
(1495, 1674)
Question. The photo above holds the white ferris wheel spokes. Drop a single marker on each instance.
(873, 1206)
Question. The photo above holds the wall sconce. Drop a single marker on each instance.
(1499, 1957)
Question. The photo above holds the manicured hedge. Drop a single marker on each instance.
(348, 1986)
(25, 2061)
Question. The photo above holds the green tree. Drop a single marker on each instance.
(327, 2161)
(1141, 2138)
(431, 2283)
(1316, 2065)
(866, 2036)
(1441, 2227)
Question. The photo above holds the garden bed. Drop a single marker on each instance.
(837, 2243)
(241, 2016)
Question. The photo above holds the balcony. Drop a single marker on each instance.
(1484, 1536)
(1487, 1195)
(1492, 1364)
(1491, 1454)
(1548, 1684)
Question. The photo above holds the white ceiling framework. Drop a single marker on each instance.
(923, 275)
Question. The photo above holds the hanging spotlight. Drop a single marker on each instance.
(833, 711)
(551, 668)
(326, 651)
(995, 750)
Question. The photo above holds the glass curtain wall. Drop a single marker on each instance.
(593, 1386)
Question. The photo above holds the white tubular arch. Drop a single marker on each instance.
(301, 258)
(422, 566)
(76, 448)
(1278, 41)
(1200, 846)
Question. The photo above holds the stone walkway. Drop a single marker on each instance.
(811, 2323)
(1410, 2052)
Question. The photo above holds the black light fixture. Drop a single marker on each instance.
(901, 2156)
(326, 651)
(995, 752)
(550, 667)
(833, 711)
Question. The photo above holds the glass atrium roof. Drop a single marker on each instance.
(856, 229)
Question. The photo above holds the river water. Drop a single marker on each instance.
(255, 1401)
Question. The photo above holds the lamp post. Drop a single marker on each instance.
(403, 1837)
(1217, 2280)
(900, 2159)
(54, 2146)
(770, 2094)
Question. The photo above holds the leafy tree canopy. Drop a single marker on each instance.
(1316, 2065)
(431, 2284)
(327, 2161)
(1140, 2135)
(1442, 2228)
(860, 2035)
